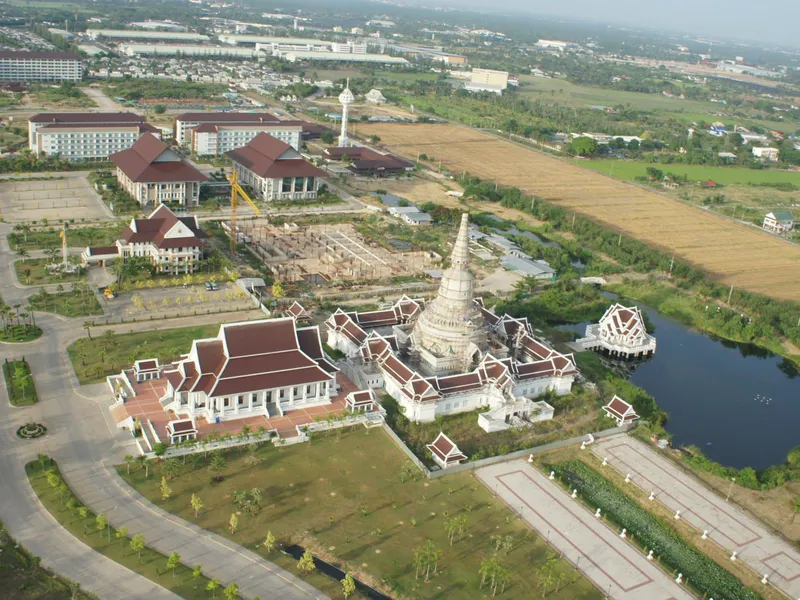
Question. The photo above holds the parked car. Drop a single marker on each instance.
(211, 286)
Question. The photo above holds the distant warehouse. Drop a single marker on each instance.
(384, 59)
(188, 50)
(131, 34)
(40, 66)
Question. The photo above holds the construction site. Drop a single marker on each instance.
(316, 254)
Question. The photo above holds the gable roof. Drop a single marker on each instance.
(621, 409)
(139, 163)
(781, 215)
(157, 225)
(265, 156)
(228, 117)
(446, 449)
(84, 117)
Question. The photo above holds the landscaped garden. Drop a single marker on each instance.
(94, 531)
(74, 303)
(26, 238)
(22, 576)
(19, 382)
(34, 271)
(353, 498)
(651, 532)
(94, 358)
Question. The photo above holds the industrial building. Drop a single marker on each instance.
(487, 80)
(132, 34)
(40, 66)
(85, 136)
(297, 56)
(252, 40)
(188, 50)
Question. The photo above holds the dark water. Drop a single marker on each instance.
(716, 392)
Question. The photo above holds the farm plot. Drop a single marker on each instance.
(733, 253)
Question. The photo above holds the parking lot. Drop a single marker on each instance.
(69, 198)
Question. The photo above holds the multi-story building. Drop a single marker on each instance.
(275, 170)
(153, 174)
(210, 138)
(186, 123)
(173, 244)
(85, 136)
(40, 66)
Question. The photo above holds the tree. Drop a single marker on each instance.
(197, 573)
(306, 562)
(87, 325)
(84, 513)
(101, 523)
(451, 527)
(348, 586)
(212, 587)
(654, 174)
(166, 492)
(233, 523)
(171, 468)
(231, 592)
(217, 462)
(269, 542)
(197, 504)
(128, 460)
(159, 109)
(145, 465)
(277, 290)
(137, 545)
(584, 146)
(173, 562)
(326, 137)
(121, 533)
(23, 254)
(795, 508)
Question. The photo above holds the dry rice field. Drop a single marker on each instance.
(733, 253)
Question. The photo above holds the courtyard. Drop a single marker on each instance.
(70, 196)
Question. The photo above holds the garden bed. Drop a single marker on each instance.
(19, 382)
(75, 303)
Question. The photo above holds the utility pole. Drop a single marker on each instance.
(730, 293)
(671, 264)
(619, 241)
(573, 220)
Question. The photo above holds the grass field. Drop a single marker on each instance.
(734, 254)
(344, 497)
(68, 304)
(121, 350)
(84, 236)
(19, 382)
(16, 334)
(21, 577)
(631, 169)
(33, 271)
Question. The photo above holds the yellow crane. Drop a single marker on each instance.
(236, 191)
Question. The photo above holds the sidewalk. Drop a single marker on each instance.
(731, 528)
(614, 565)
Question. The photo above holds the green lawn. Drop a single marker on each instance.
(149, 563)
(78, 237)
(33, 271)
(631, 169)
(94, 359)
(24, 332)
(346, 498)
(20, 570)
(19, 382)
(68, 304)
(65, 96)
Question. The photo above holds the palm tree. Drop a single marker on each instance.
(23, 254)
(87, 325)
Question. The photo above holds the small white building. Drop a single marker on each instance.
(375, 97)
(767, 154)
(621, 333)
(444, 451)
(620, 411)
(780, 221)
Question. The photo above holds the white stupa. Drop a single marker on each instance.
(346, 98)
(449, 335)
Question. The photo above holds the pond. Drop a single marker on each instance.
(740, 404)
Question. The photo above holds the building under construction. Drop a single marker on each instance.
(326, 252)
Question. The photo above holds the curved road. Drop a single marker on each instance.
(85, 444)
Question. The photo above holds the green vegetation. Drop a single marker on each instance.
(145, 89)
(66, 95)
(24, 238)
(74, 303)
(94, 531)
(34, 271)
(354, 498)
(19, 324)
(20, 570)
(118, 351)
(565, 302)
(651, 532)
(632, 170)
(26, 162)
(112, 193)
(19, 382)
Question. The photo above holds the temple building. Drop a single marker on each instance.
(452, 355)
(621, 333)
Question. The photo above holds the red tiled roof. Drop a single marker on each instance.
(620, 409)
(458, 383)
(445, 449)
(138, 163)
(155, 227)
(377, 318)
(263, 155)
(243, 385)
(227, 117)
(78, 117)
(310, 342)
(22, 54)
(102, 250)
(262, 337)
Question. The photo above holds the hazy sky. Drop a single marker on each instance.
(766, 20)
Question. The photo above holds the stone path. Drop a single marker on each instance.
(726, 524)
(615, 566)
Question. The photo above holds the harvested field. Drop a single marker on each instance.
(733, 253)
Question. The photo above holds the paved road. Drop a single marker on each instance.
(730, 527)
(85, 443)
(614, 565)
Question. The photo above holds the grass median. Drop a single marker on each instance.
(92, 530)
(19, 382)
(75, 303)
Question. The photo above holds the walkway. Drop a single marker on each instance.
(730, 527)
(615, 566)
(83, 442)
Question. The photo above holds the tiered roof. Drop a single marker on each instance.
(270, 158)
(165, 230)
(446, 450)
(149, 160)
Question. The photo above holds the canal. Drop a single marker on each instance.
(738, 403)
